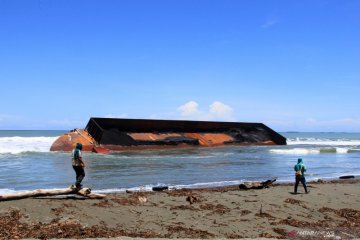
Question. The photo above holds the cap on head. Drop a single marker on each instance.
(299, 160)
(79, 146)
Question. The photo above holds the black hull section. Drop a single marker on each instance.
(114, 131)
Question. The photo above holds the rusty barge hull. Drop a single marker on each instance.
(114, 134)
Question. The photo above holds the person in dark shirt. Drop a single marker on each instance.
(78, 165)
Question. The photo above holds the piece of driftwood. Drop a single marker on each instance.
(256, 185)
(347, 177)
(85, 192)
(142, 199)
(160, 188)
(192, 199)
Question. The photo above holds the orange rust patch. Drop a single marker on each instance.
(152, 136)
(210, 139)
(67, 141)
(268, 143)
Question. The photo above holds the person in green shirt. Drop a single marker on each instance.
(299, 175)
(78, 165)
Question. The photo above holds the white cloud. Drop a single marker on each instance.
(189, 109)
(217, 111)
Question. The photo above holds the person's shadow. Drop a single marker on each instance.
(295, 193)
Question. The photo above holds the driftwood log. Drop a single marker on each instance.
(347, 177)
(85, 192)
(256, 185)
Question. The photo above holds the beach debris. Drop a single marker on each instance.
(282, 232)
(85, 192)
(57, 211)
(192, 199)
(244, 212)
(351, 215)
(133, 211)
(134, 199)
(183, 192)
(261, 213)
(256, 185)
(142, 199)
(104, 204)
(247, 200)
(184, 232)
(160, 188)
(12, 227)
(266, 235)
(184, 207)
(264, 214)
(296, 202)
(215, 208)
(293, 201)
(347, 177)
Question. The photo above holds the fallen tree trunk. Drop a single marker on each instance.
(256, 185)
(85, 192)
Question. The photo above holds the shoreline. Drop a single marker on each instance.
(331, 208)
(210, 185)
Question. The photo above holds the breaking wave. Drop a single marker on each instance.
(295, 151)
(326, 142)
(304, 151)
(6, 191)
(16, 145)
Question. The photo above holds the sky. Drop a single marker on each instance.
(292, 65)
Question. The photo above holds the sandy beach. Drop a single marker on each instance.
(330, 210)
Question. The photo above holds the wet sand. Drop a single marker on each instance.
(330, 209)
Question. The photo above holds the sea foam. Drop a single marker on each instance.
(327, 142)
(6, 191)
(16, 145)
(295, 151)
(305, 151)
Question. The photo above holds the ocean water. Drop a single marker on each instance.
(26, 163)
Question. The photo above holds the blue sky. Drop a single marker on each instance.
(293, 65)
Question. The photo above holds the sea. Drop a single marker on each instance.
(27, 164)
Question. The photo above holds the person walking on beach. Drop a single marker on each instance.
(78, 165)
(299, 175)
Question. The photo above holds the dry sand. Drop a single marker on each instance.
(331, 210)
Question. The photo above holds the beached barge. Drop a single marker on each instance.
(114, 134)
